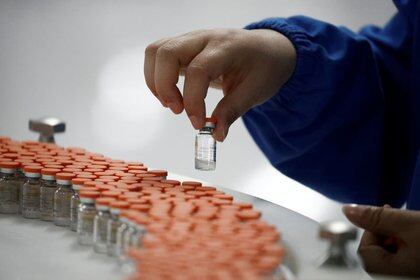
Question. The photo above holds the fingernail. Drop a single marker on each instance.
(195, 122)
(353, 210)
(223, 136)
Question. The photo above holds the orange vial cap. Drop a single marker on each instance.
(211, 120)
(9, 165)
(191, 183)
(104, 201)
(248, 215)
(64, 176)
(160, 173)
(32, 169)
(89, 194)
(79, 181)
(50, 171)
(119, 204)
(113, 194)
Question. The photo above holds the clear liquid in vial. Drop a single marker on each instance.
(205, 151)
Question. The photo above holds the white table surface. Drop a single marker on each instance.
(33, 249)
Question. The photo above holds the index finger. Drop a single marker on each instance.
(149, 64)
(170, 57)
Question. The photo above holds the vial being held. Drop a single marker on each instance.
(205, 147)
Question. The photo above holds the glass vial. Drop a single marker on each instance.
(48, 188)
(134, 238)
(62, 198)
(113, 225)
(9, 188)
(77, 184)
(100, 224)
(21, 179)
(86, 216)
(205, 147)
(131, 236)
(31, 192)
(122, 229)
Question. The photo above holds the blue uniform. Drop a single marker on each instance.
(347, 123)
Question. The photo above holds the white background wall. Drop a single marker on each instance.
(82, 61)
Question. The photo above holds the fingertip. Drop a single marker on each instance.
(179, 111)
(348, 208)
(220, 133)
(353, 212)
(175, 107)
(196, 122)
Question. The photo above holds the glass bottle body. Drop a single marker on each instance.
(21, 178)
(119, 242)
(62, 198)
(31, 198)
(205, 150)
(74, 209)
(46, 207)
(9, 193)
(85, 222)
(100, 230)
(135, 237)
(111, 236)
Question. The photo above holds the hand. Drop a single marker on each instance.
(248, 65)
(391, 241)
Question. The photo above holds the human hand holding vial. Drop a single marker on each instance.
(205, 147)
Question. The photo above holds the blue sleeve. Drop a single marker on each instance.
(327, 126)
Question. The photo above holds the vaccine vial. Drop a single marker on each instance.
(21, 179)
(31, 192)
(48, 188)
(77, 184)
(100, 224)
(130, 238)
(113, 224)
(136, 231)
(122, 229)
(205, 147)
(87, 213)
(62, 199)
(9, 188)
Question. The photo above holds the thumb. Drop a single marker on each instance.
(376, 259)
(380, 220)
